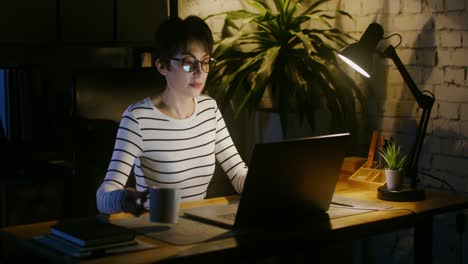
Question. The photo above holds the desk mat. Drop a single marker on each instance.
(351, 206)
(185, 232)
(188, 231)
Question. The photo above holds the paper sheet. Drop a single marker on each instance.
(357, 206)
(186, 231)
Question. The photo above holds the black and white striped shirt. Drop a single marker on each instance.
(168, 152)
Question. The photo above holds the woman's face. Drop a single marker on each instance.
(184, 82)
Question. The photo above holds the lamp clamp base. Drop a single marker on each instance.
(404, 194)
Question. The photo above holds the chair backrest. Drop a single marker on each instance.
(99, 99)
(105, 94)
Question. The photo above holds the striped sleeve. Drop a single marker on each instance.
(128, 146)
(227, 155)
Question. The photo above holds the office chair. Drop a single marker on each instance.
(99, 99)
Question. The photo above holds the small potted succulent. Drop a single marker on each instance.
(395, 162)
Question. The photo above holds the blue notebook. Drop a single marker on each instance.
(74, 250)
(90, 231)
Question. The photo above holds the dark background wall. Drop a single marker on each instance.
(43, 46)
(47, 42)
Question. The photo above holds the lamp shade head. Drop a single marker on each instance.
(357, 58)
(359, 55)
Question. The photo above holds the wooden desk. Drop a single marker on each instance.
(403, 215)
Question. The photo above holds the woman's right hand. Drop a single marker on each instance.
(133, 201)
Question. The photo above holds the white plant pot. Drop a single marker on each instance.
(394, 179)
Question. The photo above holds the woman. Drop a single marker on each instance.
(172, 139)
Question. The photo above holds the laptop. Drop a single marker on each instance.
(288, 182)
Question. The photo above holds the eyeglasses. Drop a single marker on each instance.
(190, 63)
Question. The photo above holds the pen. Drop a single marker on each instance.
(342, 204)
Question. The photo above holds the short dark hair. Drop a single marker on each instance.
(174, 34)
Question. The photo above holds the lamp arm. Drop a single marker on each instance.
(413, 157)
(425, 102)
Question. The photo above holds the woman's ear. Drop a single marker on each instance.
(162, 67)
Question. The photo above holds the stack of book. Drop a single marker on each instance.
(88, 237)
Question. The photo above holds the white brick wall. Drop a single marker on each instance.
(398, 108)
(410, 7)
(203, 8)
(406, 22)
(451, 147)
(465, 39)
(432, 75)
(464, 112)
(458, 165)
(451, 93)
(452, 20)
(445, 128)
(352, 7)
(464, 131)
(450, 39)
(449, 110)
(372, 6)
(433, 144)
(419, 39)
(453, 57)
(433, 6)
(455, 75)
(454, 5)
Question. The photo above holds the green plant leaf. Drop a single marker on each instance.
(314, 6)
(305, 41)
(392, 156)
(260, 79)
(260, 6)
(346, 14)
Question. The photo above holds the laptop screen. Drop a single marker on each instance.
(291, 180)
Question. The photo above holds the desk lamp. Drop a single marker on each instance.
(359, 56)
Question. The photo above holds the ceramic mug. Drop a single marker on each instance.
(164, 205)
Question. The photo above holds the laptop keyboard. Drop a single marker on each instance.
(230, 216)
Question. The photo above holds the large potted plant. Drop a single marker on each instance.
(275, 49)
